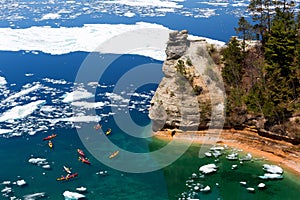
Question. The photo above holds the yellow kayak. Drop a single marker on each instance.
(50, 144)
(114, 154)
(108, 131)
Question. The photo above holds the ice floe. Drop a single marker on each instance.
(51, 16)
(79, 119)
(261, 185)
(22, 111)
(271, 176)
(40, 162)
(250, 189)
(207, 169)
(81, 189)
(232, 156)
(146, 3)
(89, 105)
(63, 40)
(77, 95)
(6, 183)
(2, 81)
(5, 131)
(34, 196)
(274, 169)
(22, 93)
(21, 182)
(72, 195)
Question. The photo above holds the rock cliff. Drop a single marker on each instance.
(191, 94)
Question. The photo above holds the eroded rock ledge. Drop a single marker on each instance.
(190, 95)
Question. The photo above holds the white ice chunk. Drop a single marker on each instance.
(79, 119)
(37, 161)
(34, 196)
(147, 39)
(2, 81)
(274, 169)
(22, 93)
(129, 14)
(77, 95)
(81, 189)
(51, 16)
(72, 195)
(271, 176)
(4, 131)
(21, 182)
(89, 105)
(209, 168)
(20, 112)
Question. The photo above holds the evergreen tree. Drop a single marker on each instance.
(261, 11)
(233, 59)
(245, 28)
(280, 51)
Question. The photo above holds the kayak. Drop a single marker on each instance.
(98, 126)
(114, 154)
(108, 131)
(50, 144)
(50, 137)
(80, 152)
(84, 160)
(67, 169)
(69, 176)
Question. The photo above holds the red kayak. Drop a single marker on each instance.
(80, 152)
(50, 137)
(84, 160)
(69, 176)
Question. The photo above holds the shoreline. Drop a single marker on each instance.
(282, 153)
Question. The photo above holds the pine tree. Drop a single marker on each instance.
(261, 11)
(280, 51)
(233, 59)
(245, 28)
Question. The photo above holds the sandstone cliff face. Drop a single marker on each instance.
(190, 96)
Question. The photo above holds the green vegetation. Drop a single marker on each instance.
(264, 79)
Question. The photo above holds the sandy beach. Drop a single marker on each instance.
(282, 153)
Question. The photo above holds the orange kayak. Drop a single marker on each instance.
(84, 160)
(50, 137)
(98, 126)
(69, 176)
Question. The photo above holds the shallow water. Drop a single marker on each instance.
(225, 183)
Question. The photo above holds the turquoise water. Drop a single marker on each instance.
(167, 183)
(15, 153)
(225, 183)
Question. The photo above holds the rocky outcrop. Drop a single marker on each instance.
(190, 95)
